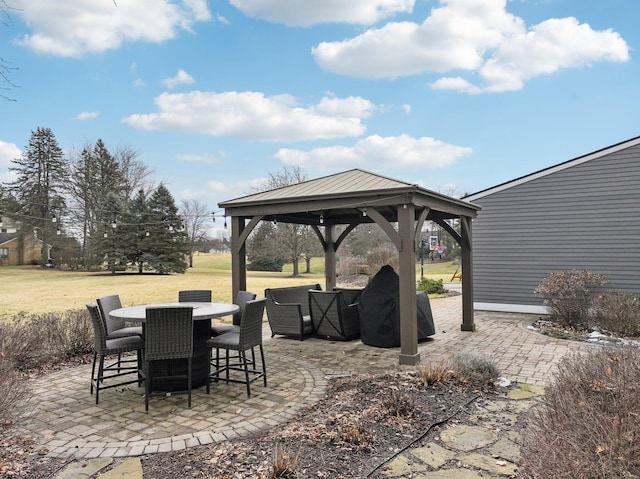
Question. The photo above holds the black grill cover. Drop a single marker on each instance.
(379, 310)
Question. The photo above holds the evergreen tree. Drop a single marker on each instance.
(41, 175)
(168, 246)
(140, 225)
(111, 245)
(265, 251)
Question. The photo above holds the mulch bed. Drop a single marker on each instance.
(361, 424)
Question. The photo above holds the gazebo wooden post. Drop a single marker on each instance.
(330, 255)
(409, 354)
(238, 256)
(468, 323)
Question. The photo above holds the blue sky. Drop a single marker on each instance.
(454, 95)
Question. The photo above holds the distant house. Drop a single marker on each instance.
(16, 247)
(580, 214)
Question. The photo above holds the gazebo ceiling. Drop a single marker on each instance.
(343, 198)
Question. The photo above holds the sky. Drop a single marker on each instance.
(453, 95)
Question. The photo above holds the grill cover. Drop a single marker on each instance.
(379, 310)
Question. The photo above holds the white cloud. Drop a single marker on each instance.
(138, 83)
(8, 152)
(254, 116)
(477, 36)
(181, 78)
(375, 152)
(74, 28)
(310, 12)
(87, 115)
(222, 19)
(406, 108)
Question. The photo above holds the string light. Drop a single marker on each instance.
(321, 218)
(364, 212)
(225, 222)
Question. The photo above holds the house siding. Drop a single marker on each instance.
(585, 216)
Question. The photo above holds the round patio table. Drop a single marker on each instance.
(163, 370)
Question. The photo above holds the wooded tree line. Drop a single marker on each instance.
(94, 207)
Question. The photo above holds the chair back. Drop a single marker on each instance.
(324, 307)
(168, 333)
(195, 296)
(106, 304)
(251, 323)
(350, 295)
(99, 329)
(241, 300)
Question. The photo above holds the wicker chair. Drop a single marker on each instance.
(332, 316)
(104, 347)
(195, 296)
(288, 310)
(115, 327)
(168, 335)
(247, 338)
(241, 300)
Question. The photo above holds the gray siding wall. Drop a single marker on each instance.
(586, 216)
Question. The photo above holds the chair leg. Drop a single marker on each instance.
(208, 383)
(147, 385)
(93, 369)
(189, 383)
(227, 366)
(264, 366)
(99, 378)
(246, 372)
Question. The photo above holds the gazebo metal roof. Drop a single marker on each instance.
(350, 198)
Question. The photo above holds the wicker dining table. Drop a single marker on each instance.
(163, 370)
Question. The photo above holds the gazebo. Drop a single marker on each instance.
(349, 199)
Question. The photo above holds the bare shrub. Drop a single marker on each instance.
(284, 464)
(586, 425)
(618, 312)
(475, 369)
(378, 257)
(349, 266)
(434, 372)
(569, 295)
(13, 393)
(355, 434)
(30, 341)
(399, 403)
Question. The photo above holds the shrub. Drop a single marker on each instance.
(378, 257)
(13, 393)
(30, 341)
(434, 372)
(399, 403)
(431, 286)
(284, 464)
(586, 425)
(475, 369)
(266, 264)
(569, 295)
(618, 312)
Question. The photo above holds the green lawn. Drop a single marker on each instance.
(37, 290)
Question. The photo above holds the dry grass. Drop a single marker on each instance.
(38, 290)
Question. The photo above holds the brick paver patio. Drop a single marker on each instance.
(65, 419)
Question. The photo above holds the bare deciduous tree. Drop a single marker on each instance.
(194, 215)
